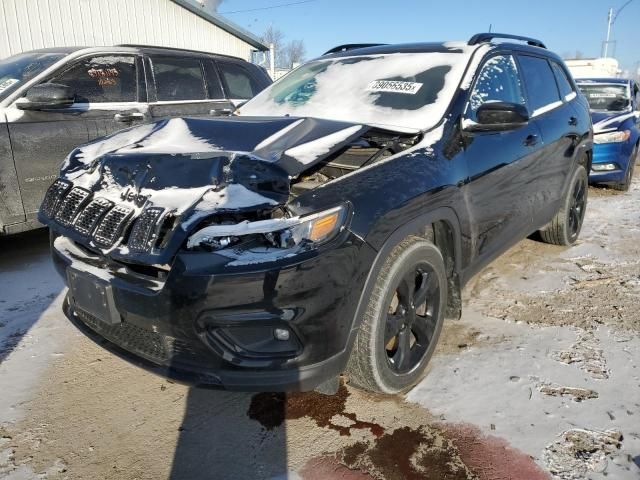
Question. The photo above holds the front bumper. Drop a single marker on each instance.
(206, 324)
(617, 154)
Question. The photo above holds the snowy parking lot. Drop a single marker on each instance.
(540, 378)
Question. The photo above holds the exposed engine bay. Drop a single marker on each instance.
(371, 147)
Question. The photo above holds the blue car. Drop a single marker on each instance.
(616, 128)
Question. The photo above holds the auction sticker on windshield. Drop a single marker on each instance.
(394, 86)
(7, 83)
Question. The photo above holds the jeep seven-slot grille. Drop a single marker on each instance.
(101, 219)
(143, 231)
(112, 226)
(53, 197)
(90, 216)
(71, 205)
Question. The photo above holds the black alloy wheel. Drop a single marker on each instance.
(577, 207)
(411, 319)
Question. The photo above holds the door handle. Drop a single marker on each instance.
(219, 112)
(128, 116)
(573, 121)
(530, 141)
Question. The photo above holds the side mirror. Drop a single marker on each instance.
(47, 96)
(499, 116)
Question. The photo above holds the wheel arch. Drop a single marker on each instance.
(440, 226)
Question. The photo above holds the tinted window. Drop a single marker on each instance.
(16, 70)
(540, 81)
(563, 82)
(238, 81)
(498, 81)
(214, 88)
(102, 79)
(178, 79)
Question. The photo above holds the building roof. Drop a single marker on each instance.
(224, 24)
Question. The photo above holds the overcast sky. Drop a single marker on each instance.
(566, 26)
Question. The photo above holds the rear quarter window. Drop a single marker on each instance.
(540, 83)
(564, 84)
(239, 83)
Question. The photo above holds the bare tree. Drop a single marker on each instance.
(295, 52)
(274, 36)
(577, 55)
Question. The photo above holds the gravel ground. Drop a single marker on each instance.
(540, 378)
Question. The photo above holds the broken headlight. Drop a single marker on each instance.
(314, 229)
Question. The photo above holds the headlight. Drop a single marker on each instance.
(612, 137)
(313, 230)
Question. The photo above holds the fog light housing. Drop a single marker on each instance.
(281, 334)
(603, 167)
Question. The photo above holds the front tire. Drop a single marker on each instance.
(402, 321)
(628, 176)
(565, 227)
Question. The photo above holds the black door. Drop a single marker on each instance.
(106, 99)
(499, 164)
(549, 96)
(186, 87)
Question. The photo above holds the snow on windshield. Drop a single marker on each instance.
(401, 91)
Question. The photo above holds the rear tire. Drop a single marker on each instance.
(628, 177)
(402, 320)
(565, 227)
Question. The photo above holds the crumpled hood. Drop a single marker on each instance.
(609, 121)
(192, 168)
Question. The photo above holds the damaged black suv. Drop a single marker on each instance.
(330, 225)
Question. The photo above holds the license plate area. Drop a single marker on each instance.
(94, 296)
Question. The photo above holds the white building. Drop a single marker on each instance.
(31, 24)
(593, 67)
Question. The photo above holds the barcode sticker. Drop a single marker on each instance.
(394, 86)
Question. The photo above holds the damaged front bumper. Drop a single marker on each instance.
(283, 324)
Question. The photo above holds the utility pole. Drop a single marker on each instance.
(609, 22)
(611, 19)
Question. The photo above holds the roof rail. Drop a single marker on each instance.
(351, 46)
(487, 37)
(161, 47)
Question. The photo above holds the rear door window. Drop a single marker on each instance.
(239, 83)
(540, 82)
(566, 89)
(178, 79)
(102, 79)
(498, 81)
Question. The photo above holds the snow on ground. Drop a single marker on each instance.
(539, 378)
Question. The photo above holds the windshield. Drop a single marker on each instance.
(408, 92)
(16, 70)
(614, 98)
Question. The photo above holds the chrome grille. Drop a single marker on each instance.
(144, 229)
(112, 226)
(53, 196)
(90, 216)
(71, 205)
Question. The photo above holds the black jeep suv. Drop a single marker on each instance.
(330, 225)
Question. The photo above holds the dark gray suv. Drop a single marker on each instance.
(53, 100)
